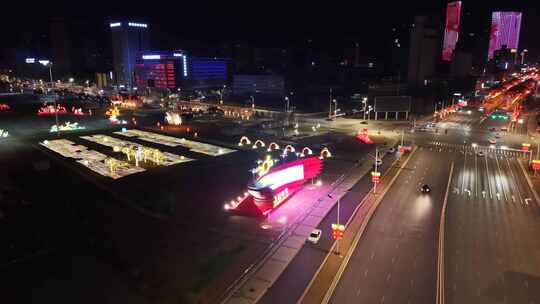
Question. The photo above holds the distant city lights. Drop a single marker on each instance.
(136, 24)
(151, 57)
(30, 60)
(115, 24)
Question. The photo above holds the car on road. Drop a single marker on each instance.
(480, 154)
(425, 189)
(315, 236)
(492, 141)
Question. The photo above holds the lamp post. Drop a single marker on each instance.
(364, 101)
(252, 101)
(48, 63)
(221, 94)
(330, 105)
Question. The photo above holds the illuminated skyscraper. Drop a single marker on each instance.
(505, 28)
(451, 31)
(128, 40)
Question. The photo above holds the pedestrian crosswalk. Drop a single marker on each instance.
(469, 149)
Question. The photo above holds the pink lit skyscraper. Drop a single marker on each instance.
(451, 31)
(505, 27)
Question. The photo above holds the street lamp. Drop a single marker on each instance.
(286, 104)
(364, 101)
(252, 101)
(48, 63)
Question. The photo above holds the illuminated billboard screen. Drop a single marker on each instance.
(505, 29)
(451, 31)
(277, 179)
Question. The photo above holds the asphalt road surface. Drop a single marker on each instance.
(299, 272)
(395, 261)
(492, 243)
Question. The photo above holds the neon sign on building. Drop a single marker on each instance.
(505, 29)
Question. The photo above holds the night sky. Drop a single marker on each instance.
(265, 23)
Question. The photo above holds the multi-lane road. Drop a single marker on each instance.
(395, 261)
(492, 238)
(492, 232)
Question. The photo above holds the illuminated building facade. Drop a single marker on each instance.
(451, 31)
(129, 39)
(176, 69)
(505, 30)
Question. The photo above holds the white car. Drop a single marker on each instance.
(314, 236)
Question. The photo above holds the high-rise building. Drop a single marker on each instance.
(129, 39)
(176, 69)
(60, 46)
(423, 53)
(505, 29)
(451, 30)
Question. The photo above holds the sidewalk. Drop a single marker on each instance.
(321, 287)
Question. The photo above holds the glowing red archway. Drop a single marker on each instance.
(272, 146)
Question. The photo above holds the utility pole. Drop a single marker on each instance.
(330, 105)
(338, 207)
(376, 160)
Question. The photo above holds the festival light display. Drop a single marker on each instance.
(51, 110)
(364, 137)
(275, 185)
(4, 107)
(244, 140)
(258, 143)
(173, 118)
(170, 141)
(68, 126)
(272, 146)
(93, 160)
(325, 153)
(306, 151)
(136, 152)
(78, 112)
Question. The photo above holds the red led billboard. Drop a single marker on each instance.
(451, 31)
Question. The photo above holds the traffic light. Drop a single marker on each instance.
(338, 231)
